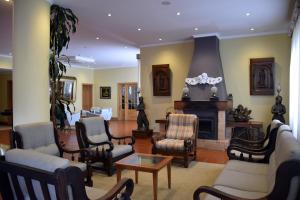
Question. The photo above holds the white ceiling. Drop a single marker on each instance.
(225, 17)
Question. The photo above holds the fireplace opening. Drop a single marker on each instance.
(207, 128)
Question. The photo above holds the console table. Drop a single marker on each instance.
(250, 130)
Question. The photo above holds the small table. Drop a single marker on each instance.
(145, 163)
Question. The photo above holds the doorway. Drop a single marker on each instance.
(127, 101)
(87, 96)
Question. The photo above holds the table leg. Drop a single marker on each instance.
(136, 176)
(169, 175)
(155, 185)
(119, 171)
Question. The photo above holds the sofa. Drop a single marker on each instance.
(28, 174)
(278, 179)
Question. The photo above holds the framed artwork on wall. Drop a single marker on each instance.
(105, 92)
(262, 76)
(161, 80)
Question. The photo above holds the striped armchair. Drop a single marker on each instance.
(180, 139)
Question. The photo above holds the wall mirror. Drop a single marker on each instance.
(68, 87)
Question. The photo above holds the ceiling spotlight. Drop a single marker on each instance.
(97, 38)
(178, 13)
(139, 29)
(125, 47)
(252, 29)
(196, 29)
(7, 0)
(248, 14)
(165, 3)
(109, 14)
(159, 39)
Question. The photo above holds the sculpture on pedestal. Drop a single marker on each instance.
(142, 120)
(278, 110)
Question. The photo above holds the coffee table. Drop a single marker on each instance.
(145, 163)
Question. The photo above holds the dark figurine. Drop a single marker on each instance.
(142, 121)
(278, 109)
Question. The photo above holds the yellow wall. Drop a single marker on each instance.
(235, 55)
(83, 76)
(4, 77)
(111, 77)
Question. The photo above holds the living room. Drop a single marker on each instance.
(118, 47)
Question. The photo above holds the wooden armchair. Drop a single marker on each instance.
(180, 139)
(258, 154)
(28, 174)
(42, 137)
(93, 134)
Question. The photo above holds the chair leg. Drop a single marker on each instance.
(186, 160)
(89, 173)
(109, 166)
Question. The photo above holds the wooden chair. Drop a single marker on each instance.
(42, 137)
(257, 154)
(180, 139)
(93, 134)
(28, 174)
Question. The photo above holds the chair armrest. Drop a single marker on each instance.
(123, 188)
(132, 142)
(217, 193)
(156, 138)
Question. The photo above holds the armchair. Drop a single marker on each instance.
(27, 174)
(42, 137)
(93, 134)
(180, 139)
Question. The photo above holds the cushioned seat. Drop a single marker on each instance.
(246, 167)
(236, 192)
(94, 193)
(170, 144)
(50, 149)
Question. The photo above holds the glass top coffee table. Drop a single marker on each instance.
(145, 163)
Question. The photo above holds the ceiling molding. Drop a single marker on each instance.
(5, 56)
(254, 34)
(116, 67)
(207, 35)
(166, 43)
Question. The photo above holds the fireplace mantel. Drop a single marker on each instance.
(218, 105)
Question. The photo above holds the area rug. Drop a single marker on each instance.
(183, 184)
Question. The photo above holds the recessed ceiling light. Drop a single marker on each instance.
(165, 3)
(248, 14)
(109, 14)
(252, 29)
(178, 13)
(125, 47)
(196, 29)
(139, 29)
(7, 0)
(159, 39)
(97, 38)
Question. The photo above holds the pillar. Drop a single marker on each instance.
(31, 38)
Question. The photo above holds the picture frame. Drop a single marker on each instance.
(161, 77)
(262, 76)
(105, 92)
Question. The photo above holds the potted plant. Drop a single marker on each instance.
(62, 23)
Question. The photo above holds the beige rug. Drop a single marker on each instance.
(183, 184)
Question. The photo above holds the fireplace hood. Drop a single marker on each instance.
(206, 59)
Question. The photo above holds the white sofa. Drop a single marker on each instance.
(246, 180)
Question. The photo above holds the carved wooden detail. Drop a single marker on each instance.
(261, 76)
(161, 80)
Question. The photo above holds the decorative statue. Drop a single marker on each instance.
(142, 121)
(241, 114)
(278, 109)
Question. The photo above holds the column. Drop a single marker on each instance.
(31, 38)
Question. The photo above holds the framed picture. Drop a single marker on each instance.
(262, 76)
(105, 92)
(161, 75)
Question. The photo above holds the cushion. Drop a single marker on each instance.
(81, 166)
(170, 144)
(98, 138)
(243, 181)
(50, 149)
(181, 126)
(95, 126)
(117, 150)
(247, 167)
(35, 135)
(236, 192)
(94, 193)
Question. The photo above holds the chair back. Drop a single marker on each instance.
(37, 136)
(94, 128)
(272, 129)
(182, 126)
(28, 174)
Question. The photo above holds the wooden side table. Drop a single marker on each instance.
(242, 129)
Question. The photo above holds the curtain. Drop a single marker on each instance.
(295, 82)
